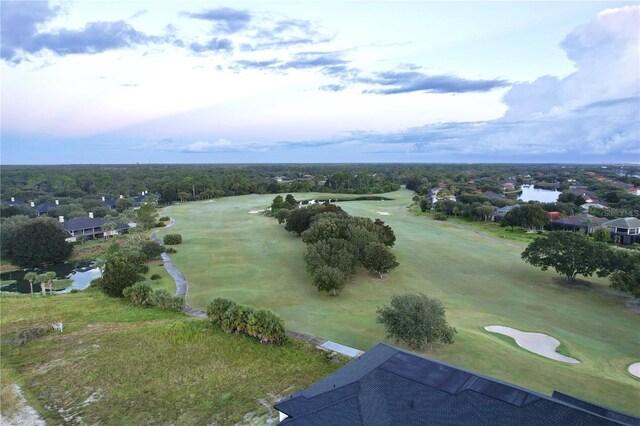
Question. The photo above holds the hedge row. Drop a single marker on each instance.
(234, 318)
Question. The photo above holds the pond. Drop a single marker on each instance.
(529, 193)
(80, 274)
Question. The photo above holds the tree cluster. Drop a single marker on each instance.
(34, 242)
(338, 243)
(573, 253)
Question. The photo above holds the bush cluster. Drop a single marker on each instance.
(170, 250)
(164, 219)
(155, 277)
(172, 239)
(259, 323)
(142, 295)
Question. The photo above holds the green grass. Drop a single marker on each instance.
(117, 364)
(480, 278)
(165, 282)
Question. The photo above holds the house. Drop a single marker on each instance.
(627, 228)
(391, 386)
(502, 212)
(109, 202)
(13, 202)
(492, 195)
(633, 191)
(554, 216)
(89, 227)
(588, 206)
(584, 221)
(43, 209)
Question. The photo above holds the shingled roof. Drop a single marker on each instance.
(79, 223)
(581, 220)
(623, 222)
(389, 386)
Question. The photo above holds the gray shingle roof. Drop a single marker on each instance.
(388, 386)
(581, 220)
(624, 222)
(79, 223)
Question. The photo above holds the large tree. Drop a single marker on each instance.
(298, 221)
(147, 216)
(416, 320)
(39, 242)
(569, 253)
(329, 279)
(378, 258)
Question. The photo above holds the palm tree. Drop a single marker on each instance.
(42, 279)
(30, 276)
(50, 275)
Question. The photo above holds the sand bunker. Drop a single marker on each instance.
(538, 343)
(255, 211)
(384, 213)
(635, 369)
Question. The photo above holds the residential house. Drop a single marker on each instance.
(502, 212)
(588, 206)
(391, 386)
(585, 222)
(633, 191)
(627, 228)
(89, 227)
(43, 209)
(109, 202)
(493, 195)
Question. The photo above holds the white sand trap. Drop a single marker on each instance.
(537, 343)
(635, 369)
(384, 213)
(255, 211)
(208, 201)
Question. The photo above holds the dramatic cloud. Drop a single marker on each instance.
(225, 20)
(20, 34)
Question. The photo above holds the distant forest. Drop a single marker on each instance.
(41, 184)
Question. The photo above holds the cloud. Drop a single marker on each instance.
(213, 45)
(221, 145)
(413, 81)
(284, 34)
(20, 35)
(225, 19)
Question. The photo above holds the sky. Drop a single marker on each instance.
(94, 82)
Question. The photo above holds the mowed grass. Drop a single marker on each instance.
(228, 252)
(118, 364)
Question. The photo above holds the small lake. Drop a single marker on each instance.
(529, 193)
(80, 273)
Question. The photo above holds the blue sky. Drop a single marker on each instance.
(307, 81)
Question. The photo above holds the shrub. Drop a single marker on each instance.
(140, 294)
(172, 239)
(162, 299)
(170, 250)
(151, 249)
(155, 277)
(97, 283)
(159, 225)
(217, 307)
(259, 323)
(164, 219)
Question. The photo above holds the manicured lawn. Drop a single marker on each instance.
(228, 252)
(117, 364)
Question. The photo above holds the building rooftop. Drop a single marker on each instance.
(390, 386)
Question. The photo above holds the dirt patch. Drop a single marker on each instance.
(15, 410)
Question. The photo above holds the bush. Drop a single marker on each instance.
(259, 323)
(172, 239)
(140, 294)
(164, 219)
(170, 250)
(155, 277)
(97, 283)
(162, 299)
(151, 249)
(440, 216)
(159, 225)
(217, 307)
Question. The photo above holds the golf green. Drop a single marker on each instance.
(229, 250)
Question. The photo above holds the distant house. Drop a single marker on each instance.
(109, 202)
(633, 191)
(390, 386)
(493, 195)
(585, 222)
(554, 216)
(13, 202)
(588, 206)
(502, 212)
(43, 209)
(89, 227)
(627, 228)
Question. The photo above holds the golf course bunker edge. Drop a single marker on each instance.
(538, 343)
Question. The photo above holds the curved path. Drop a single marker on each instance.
(182, 287)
